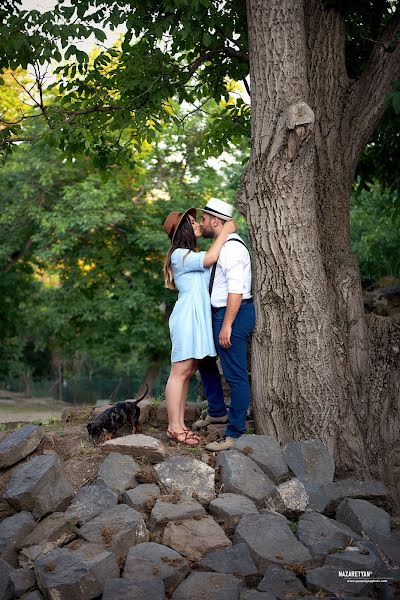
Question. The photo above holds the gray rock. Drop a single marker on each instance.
(77, 571)
(310, 460)
(361, 515)
(322, 535)
(145, 410)
(90, 501)
(228, 509)
(122, 589)
(150, 560)
(318, 498)
(281, 583)
(34, 595)
(194, 538)
(118, 472)
(12, 533)
(289, 498)
(241, 475)
(327, 579)
(270, 540)
(23, 580)
(19, 444)
(209, 586)
(359, 556)
(235, 560)
(267, 453)
(6, 584)
(137, 446)
(163, 512)
(371, 490)
(39, 486)
(117, 529)
(255, 595)
(142, 497)
(188, 476)
(55, 530)
(391, 547)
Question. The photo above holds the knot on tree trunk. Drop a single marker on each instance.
(299, 124)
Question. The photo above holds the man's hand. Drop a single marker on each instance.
(225, 336)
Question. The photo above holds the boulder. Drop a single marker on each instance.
(19, 444)
(194, 538)
(351, 488)
(209, 586)
(318, 498)
(137, 446)
(322, 535)
(163, 512)
(34, 595)
(122, 589)
(327, 579)
(90, 501)
(267, 453)
(228, 509)
(117, 529)
(235, 560)
(23, 580)
(154, 561)
(55, 530)
(142, 497)
(281, 583)
(7, 591)
(12, 533)
(391, 548)
(241, 475)
(39, 486)
(289, 498)
(362, 516)
(188, 476)
(310, 460)
(270, 540)
(118, 472)
(359, 556)
(145, 410)
(78, 571)
(255, 595)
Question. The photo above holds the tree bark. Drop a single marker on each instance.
(320, 368)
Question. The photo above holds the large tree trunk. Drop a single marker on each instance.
(320, 368)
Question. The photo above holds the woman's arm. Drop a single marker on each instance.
(212, 253)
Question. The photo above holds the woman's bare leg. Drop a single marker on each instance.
(177, 383)
(185, 391)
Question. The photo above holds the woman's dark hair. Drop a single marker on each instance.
(184, 238)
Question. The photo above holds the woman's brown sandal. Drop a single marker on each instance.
(188, 435)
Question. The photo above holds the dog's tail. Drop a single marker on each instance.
(137, 400)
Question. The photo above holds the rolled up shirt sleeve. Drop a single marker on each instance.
(235, 276)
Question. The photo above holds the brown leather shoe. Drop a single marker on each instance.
(224, 443)
(208, 420)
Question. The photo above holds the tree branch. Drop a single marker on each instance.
(13, 140)
(367, 100)
(231, 52)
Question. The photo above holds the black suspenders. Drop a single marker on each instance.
(210, 286)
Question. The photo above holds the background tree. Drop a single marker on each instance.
(319, 75)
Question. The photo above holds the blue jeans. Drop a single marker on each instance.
(234, 367)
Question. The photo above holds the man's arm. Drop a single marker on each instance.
(232, 307)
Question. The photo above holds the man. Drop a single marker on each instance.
(233, 322)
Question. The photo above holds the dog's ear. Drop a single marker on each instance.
(89, 427)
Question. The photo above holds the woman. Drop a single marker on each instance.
(186, 269)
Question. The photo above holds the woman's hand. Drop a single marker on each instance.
(230, 226)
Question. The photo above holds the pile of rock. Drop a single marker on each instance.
(267, 522)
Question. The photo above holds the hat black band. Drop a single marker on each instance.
(217, 212)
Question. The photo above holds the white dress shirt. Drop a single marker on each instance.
(233, 272)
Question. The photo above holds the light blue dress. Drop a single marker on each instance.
(190, 323)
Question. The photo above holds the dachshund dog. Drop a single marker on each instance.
(113, 418)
